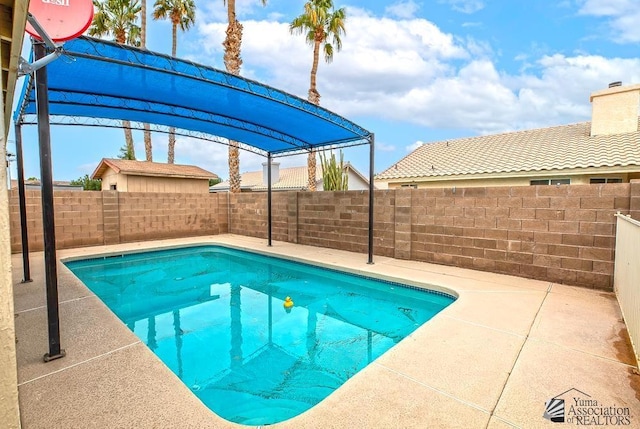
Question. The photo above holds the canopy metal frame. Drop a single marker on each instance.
(56, 96)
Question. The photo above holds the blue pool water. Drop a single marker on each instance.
(215, 316)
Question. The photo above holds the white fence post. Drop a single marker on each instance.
(626, 280)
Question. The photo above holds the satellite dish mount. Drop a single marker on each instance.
(57, 22)
(24, 66)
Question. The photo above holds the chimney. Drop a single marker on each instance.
(275, 173)
(615, 110)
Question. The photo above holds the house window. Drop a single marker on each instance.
(550, 182)
(411, 186)
(113, 187)
(594, 180)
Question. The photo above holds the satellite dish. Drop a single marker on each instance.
(61, 20)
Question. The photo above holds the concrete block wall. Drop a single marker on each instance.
(334, 219)
(326, 219)
(78, 219)
(634, 201)
(153, 216)
(248, 214)
(94, 218)
(562, 234)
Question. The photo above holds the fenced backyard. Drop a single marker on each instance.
(561, 234)
(510, 328)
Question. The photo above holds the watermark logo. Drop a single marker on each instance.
(554, 410)
(578, 408)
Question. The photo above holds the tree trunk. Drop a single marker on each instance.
(233, 61)
(128, 137)
(174, 34)
(148, 152)
(311, 167)
(234, 167)
(232, 45)
(172, 145)
(314, 97)
(143, 24)
(143, 43)
(171, 150)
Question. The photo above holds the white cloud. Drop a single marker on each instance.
(403, 9)
(377, 52)
(410, 71)
(465, 6)
(605, 7)
(623, 17)
(414, 146)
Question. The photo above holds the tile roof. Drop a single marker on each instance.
(290, 179)
(554, 148)
(36, 183)
(146, 168)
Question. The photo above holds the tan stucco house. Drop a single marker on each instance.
(13, 17)
(290, 179)
(605, 150)
(125, 175)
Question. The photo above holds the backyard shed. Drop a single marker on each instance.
(143, 176)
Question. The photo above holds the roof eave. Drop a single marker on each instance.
(523, 173)
(173, 176)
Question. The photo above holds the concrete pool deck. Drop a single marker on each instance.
(491, 359)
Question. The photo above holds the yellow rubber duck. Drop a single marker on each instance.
(288, 303)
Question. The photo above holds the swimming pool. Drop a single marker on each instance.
(215, 317)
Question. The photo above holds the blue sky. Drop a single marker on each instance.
(410, 71)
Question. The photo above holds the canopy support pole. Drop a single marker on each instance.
(372, 140)
(269, 197)
(26, 277)
(48, 223)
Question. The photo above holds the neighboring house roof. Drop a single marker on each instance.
(554, 148)
(146, 168)
(293, 178)
(290, 179)
(57, 184)
(351, 168)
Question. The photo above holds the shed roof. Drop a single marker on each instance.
(155, 169)
(553, 148)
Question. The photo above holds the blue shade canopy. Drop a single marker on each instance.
(105, 81)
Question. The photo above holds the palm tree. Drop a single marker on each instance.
(118, 18)
(233, 61)
(143, 44)
(322, 25)
(181, 13)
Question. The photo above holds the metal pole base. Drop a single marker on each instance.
(26, 281)
(48, 358)
(370, 263)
